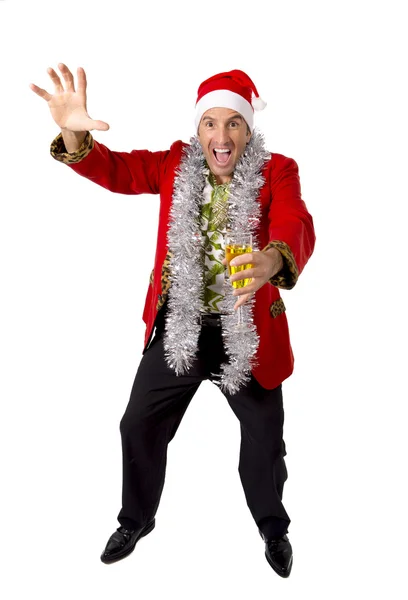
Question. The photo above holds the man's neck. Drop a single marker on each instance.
(221, 179)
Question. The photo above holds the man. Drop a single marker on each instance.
(223, 181)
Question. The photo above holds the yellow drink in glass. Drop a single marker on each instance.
(231, 251)
(237, 244)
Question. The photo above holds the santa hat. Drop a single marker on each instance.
(232, 89)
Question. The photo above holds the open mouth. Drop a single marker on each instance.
(222, 155)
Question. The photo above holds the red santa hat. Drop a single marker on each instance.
(233, 89)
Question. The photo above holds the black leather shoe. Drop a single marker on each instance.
(123, 541)
(279, 554)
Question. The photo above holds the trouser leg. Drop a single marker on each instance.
(158, 401)
(157, 404)
(262, 467)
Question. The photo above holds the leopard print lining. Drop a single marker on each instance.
(289, 274)
(59, 152)
(165, 281)
(151, 277)
(277, 308)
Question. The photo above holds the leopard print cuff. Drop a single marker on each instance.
(59, 152)
(289, 274)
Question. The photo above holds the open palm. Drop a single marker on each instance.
(68, 106)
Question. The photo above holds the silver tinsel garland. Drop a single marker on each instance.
(186, 292)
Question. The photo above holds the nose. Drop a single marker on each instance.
(222, 136)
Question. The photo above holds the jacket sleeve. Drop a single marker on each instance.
(291, 229)
(135, 172)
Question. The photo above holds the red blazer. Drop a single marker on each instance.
(285, 224)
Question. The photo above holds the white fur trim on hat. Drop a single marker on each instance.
(258, 103)
(225, 99)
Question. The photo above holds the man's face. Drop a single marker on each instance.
(223, 134)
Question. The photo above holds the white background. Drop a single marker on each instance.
(75, 262)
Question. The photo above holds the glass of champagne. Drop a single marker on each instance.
(235, 245)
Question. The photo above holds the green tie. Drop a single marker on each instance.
(214, 220)
(219, 204)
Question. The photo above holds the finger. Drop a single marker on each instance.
(68, 77)
(241, 301)
(250, 288)
(244, 274)
(242, 259)
(81, 80)
(251, 273)
(40, 92)
(55, 80)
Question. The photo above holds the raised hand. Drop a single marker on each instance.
(68, 106)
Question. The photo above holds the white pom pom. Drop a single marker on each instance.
(258, 103)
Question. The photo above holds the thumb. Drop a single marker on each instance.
(98, 125)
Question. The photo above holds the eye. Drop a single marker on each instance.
(234, 124)
(209, 124)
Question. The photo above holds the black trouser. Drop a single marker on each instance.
(158, 401)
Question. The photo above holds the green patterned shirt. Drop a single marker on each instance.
(214, 212)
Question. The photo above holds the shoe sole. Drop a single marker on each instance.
(108, 561)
